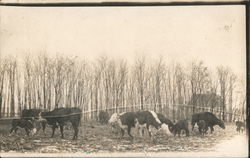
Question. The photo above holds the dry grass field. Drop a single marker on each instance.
(95, 138)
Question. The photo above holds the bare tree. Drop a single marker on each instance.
(2, 76)
(158, 75)
(141, 78)
(232, 85)
(11, 71)
(223, 75)
(199, 81)
(27, 81)
(214, 83)
(121, 79)
(171, 76)
(58, 78)
(19, 85)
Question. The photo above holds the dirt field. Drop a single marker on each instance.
(97, 138)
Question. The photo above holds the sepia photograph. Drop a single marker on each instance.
(123, 79)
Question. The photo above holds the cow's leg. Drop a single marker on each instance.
(75, 127)
(174, 134)
(139, 131)
(44, 126)
(193, 123)
(16, 129)
(53, 130)
(142, 132)
(187, 132)
(204, 131)
(149, 131)
(207, 128)
(179, 133)
(212, 129)
(76, 133)
(12, 129)
(61, 129)
(74, 137)
(200, 130)
(27, 131)
(129, 129)
(122, 130)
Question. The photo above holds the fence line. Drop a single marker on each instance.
(89, 113)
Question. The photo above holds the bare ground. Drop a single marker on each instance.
(96, 138)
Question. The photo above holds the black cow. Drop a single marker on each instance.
(22, 123)
(126, 121)
(240, 126)
(179, 126)
(202, 127)
(60, 116)
(210, 119)
(30, 114)
(103, 117)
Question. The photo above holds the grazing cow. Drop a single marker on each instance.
(126, 121)
(151, 121)
(22, 123)
(240, 126)
(113, 123)
(30, 114)
(163, 119)
(60, 116)
(103, 117)
(179, 126)
(210, 119)
(202, 127)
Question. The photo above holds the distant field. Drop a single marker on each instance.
(94, 137)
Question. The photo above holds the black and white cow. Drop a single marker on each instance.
(125, 121)
(163, 120)
(113, 123)
(150, 120)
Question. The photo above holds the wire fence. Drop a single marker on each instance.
(174, 112)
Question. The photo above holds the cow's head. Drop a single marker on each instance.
(221, 124)
(166, 129)
(113, 119)
(31, 127)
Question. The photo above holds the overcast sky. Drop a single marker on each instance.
(214, 34)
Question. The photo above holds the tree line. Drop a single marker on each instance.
(42, 81)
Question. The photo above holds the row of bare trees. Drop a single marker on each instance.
(46, 82)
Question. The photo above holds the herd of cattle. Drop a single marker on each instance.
(149, 120)
(32, 120)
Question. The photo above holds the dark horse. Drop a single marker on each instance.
(60, 116)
